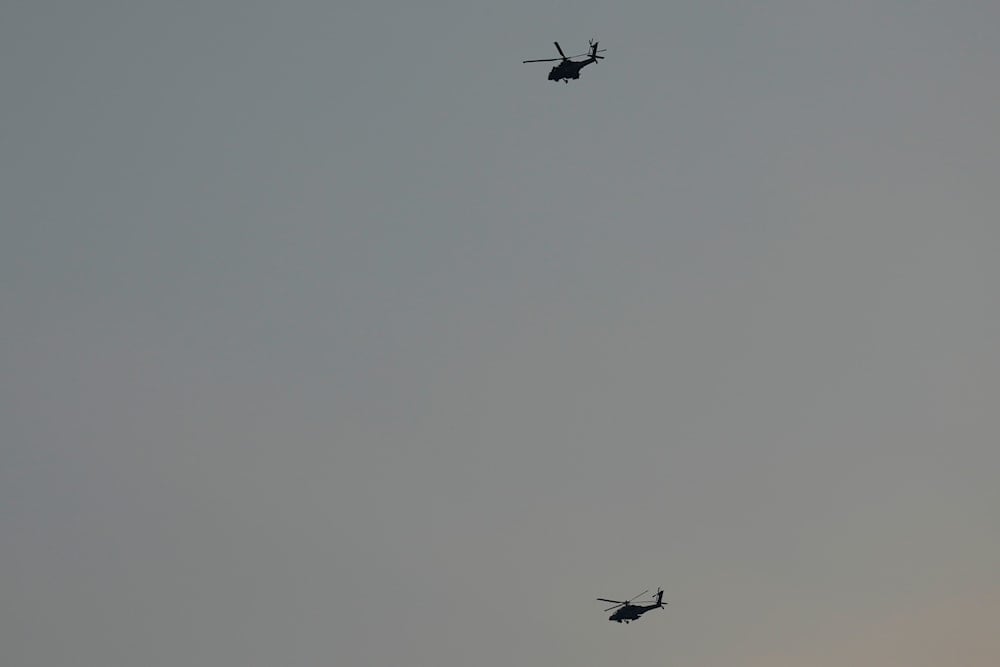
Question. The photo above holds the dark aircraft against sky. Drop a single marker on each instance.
(570, 69)
(626, 611)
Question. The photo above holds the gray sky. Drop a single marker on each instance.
(334, 335)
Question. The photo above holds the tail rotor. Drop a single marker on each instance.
(594, 51)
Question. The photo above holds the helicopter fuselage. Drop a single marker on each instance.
(631, 612)
(569, 69)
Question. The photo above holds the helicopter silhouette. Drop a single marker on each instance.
(626, 611)
(570, 69)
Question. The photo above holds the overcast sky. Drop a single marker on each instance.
(334, 335)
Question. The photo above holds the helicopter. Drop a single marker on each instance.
(626, 611)
(570, 69)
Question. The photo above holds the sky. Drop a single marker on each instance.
(332, 334)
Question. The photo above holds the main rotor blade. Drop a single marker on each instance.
(607, 600)
(615, 607)
(590, 54)
(543, 60)
(559, 49)
(639, 595)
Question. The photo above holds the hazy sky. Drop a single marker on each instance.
(334, 335)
